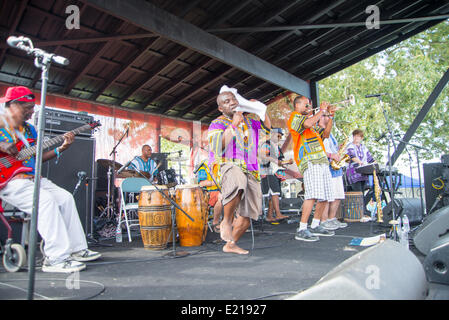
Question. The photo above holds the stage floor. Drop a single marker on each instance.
(277, 267)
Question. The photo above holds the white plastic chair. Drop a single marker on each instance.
(130, 185)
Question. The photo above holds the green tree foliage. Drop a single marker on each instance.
(408, 72)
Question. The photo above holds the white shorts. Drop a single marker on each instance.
(338, 188)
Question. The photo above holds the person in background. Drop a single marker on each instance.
(144, 163)
(206, 181)
(272, 157)
(328, 218)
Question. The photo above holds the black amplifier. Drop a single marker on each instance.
(57, 121)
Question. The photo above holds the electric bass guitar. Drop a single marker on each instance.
(11, 166)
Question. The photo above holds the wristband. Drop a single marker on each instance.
(58, 154)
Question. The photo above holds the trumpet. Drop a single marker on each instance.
(350, 100)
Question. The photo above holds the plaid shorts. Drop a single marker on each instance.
(318, 183)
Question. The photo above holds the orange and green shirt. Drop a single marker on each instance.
(308, 145)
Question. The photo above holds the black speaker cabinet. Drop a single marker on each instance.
(436, 263)
(409, 206)
(431, 172)
(80, 156)
(434, 226)
(386, 271)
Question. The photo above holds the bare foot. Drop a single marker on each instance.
(281, 217)
(270, 219)
(231, 247)
(226, 231)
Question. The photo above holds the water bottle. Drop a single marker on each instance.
(118, 234)
(405, 223)
(405, 230)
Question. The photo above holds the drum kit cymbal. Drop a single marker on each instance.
(124, 173)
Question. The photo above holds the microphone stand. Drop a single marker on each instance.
(419, 172)
(173, 204)
(90, 236)
(42, 61)
(111, 173)
(411, 171)
(391, 189)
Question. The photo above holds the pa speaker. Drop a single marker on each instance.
(436, 263)
(432, 171)
(408, 206)
(434, 226)
(387, 271)
(80, 156)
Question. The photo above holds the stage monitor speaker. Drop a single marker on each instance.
(432, 171)
(409, 206)
(80, 156)
(436, 263)
(386, 271)
(434, 226)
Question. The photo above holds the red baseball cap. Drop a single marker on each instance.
(18, 94)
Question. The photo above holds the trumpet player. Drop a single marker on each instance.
(311, 159)
(332, 149)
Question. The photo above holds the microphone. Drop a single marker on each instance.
(375, 95)
(81, 176)
(19, 43)
(125, 165)
(15, 41)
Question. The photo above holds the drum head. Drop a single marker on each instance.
(153, 188)
(187, 186)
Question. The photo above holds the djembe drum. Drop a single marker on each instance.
(154, 217)
(192, 200)
(352, 207)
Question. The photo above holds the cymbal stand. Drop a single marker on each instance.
(111, 206)
(173, 205)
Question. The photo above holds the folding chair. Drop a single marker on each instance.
(128, 187)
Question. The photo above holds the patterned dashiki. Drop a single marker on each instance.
(361, 152)
(27, 131)
(243, 148)
(307, 142)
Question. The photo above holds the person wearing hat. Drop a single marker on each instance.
(272, 171)
(58, 220)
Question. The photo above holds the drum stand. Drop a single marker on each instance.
(173, 204)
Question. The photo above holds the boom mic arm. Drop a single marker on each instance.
(25, 44)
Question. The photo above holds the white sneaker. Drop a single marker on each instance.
(340, 224)
(329, 225)
(85, 255)
(66, 266)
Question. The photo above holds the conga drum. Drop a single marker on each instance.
(352, 207)
(192, 200)
(154, 217)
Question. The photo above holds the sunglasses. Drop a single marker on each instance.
(27, 96)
